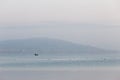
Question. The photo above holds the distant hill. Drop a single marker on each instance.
(46, 45)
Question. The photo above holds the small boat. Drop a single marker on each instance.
(36, 54)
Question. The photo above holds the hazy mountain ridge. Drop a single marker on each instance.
(46, 45)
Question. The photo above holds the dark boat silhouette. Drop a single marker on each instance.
(36, 54)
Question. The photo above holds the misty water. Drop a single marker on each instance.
(22, 60)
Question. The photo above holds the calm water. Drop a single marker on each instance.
(57, 60)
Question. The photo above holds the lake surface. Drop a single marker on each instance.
(21, 60)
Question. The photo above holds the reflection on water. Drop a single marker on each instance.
(56, 60)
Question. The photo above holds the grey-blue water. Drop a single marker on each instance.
(21, 60)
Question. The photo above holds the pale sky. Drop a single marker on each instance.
(90, 22)
(71, 11)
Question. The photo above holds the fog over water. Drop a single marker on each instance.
(103, 36)
(90, 22)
